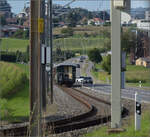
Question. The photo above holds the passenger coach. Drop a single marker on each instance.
(65, 73)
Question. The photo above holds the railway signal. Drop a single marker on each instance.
(137, 112)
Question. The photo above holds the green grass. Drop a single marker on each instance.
(11, 44)
(18, 106)
(130, 132)
(12, 79)
(133, 74)
(15, 104)
(100, 74)
(73, 43)
(24, 67)
(85, 29)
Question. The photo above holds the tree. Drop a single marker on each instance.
(92, 23)
(106, 64)
(21, 34)
(128, 41)
(72, 19)
(95, 55)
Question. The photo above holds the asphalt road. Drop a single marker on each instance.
(128, 92)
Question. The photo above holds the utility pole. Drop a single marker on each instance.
(50, 37)
(42, 14)
(33, 67)
(0, 36)
(115, 66)
(36, 33)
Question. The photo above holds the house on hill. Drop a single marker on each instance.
(96, 21)
(143, 62)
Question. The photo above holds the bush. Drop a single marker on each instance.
(4, 111)
(135, 80)
(106, 64)
(15, 56)
(94, 55)
(12, 79)
(21, 34)
(8, 56)
(67, 31)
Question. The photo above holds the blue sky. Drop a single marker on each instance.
(17, 5)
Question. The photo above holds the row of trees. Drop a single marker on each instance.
(17, 56)
(21, 34)
(128, 41)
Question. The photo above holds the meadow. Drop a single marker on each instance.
(12, 45)
(133, 75)
(84, 29)
(71, 43)
(80, 44)
(14, 92)
(129, 127)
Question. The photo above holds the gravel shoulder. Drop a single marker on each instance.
(129, 104)
(64, 106)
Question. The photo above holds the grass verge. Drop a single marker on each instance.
(133, 75)
(14, 106)
(18, 106)
(130, 132)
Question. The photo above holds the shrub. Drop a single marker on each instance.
(15, 56)
(12, 79)
(94, 55)
(21, 34)
(4, 111)
(8, 56)
(106, 64)
(67, 31)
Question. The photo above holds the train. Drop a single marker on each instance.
(65, 74)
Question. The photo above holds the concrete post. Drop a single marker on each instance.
(115, 67)
(137, 112)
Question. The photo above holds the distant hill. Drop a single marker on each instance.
(137, 13)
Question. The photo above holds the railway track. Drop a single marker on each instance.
(84, 120)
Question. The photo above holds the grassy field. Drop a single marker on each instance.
(83, 44)
(18, 106)
(24, 67)
(11, 44)
(130, 132)
(85, 29)
(101, 75)
(134, 74)
(71, 43)
(15, 104)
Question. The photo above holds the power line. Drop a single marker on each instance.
(82, 0)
